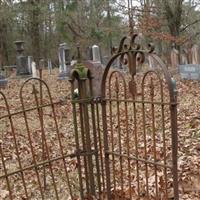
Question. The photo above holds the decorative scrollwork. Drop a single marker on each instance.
(131, 53)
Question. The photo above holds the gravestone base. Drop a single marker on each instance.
(64, 76)
(190, 71)
(23, 70)
(3, 82)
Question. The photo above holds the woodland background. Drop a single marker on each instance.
(43, 24)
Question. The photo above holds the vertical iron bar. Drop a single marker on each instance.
(154, 134)
(100, 145)
(6, 173)
(145, 142)
(42, 126)
(95, 136)
(88, 138)
(164, 138)
(173, 109)
(106, 149)
(112, 137)
(77, 142)
(119, 134)
(128, 147)
(136, 145)
(83, 138)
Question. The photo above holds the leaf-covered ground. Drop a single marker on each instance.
(188, 136)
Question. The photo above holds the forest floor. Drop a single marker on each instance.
(188, 136)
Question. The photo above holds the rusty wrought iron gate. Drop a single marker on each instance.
(128, 134)
(139, 126)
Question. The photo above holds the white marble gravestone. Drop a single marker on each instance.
(61, 57)
(30, 60)
(64, 61)
(34, 70)
(96, 57)
(49, 64)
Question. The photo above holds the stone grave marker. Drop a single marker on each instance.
(22, 65)
(89, 53)
(174, 57)
(96, 56)
(64, 61)
(49, 64)
(3, 81)
(30, 60)
(190, 71)
(184, 57)
(97, 72)
(34, 70)
(195, 51)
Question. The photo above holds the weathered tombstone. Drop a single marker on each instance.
(34, 70)
(195, 54)
(184, 57)
(64, 61)
(89, 53)
(21, 60)
(3, 81)
(105, 60)
(174, 57)
(96, 57)
(49, 64)
(97, 72)
(30, 60)
(190, 71)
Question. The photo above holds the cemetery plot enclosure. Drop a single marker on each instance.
(140, 128)
(35, 154)
(124, 141)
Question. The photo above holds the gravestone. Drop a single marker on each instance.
(22, 65)
(3, 81)
(49, 64)
(96, 56)
(190, 71)
(174, 57)
(195, 54)
(89, 53)
(97, 72)
(184, 57)
(34, 70)
(30, 60)
(105, 60)
(64, 61)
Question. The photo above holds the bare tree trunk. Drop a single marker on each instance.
(173, 15)
(35, 29)
(3, 39)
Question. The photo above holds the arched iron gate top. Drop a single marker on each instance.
(135, 53)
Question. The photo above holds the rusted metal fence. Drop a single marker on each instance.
(124, 142)
(35, 153)
(140, 127)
